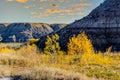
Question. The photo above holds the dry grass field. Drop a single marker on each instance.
(28, 63)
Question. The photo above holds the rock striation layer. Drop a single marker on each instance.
(102, 26)
(22, 32)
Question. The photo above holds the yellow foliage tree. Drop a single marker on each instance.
(79, 45)
(52, 45)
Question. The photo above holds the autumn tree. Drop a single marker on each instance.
(79, 45)
(52, 45)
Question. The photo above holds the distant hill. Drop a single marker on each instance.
(22, 32)
(102, 26)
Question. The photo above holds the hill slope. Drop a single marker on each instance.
(102, 26)
(22, 32)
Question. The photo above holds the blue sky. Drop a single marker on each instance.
(45, 11)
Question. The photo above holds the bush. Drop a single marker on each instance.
(52, 45)
(79, 45)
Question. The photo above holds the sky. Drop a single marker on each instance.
(45, 11)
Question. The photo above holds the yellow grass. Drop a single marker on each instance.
(28, 63)
(78, 64)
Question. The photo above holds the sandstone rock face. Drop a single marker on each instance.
(22, 32)
(102, 26)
